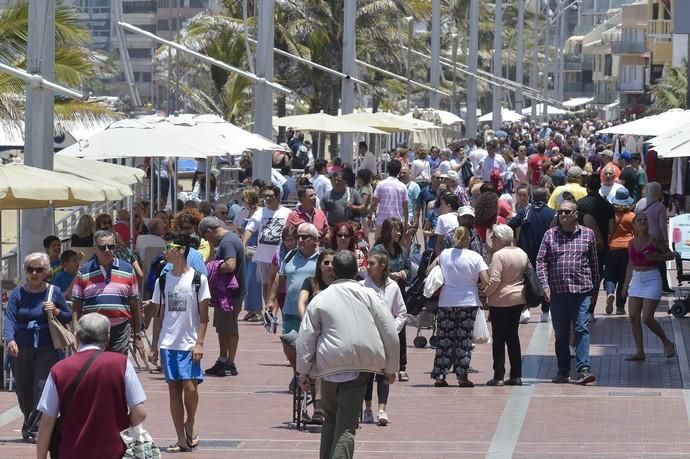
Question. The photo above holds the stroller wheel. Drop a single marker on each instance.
(433, 341)
(678, 309)
(419, 342)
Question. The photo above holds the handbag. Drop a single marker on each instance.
(481, 333)
(61, 337)
(139, 443)
(534, 292)
(54, 446)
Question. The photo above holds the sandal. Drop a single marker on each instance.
(178, 448)
(635, 358)
(192, 438)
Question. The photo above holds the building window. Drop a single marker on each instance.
(138, 7)
(147, 27)
(608, 65)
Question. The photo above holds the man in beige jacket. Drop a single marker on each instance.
(347, 333)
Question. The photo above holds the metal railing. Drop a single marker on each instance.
(659, 27)
(628, 47)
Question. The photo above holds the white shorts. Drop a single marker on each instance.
(263, 271)
(645, 284)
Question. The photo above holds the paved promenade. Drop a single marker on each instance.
(634, 410)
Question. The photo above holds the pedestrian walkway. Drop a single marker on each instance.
(633, 410)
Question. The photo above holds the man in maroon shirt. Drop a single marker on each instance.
(534, 165)
(307, 212)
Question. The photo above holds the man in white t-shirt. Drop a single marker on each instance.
(366, 158)
(180, 300)
(268, 222)
(447, 219)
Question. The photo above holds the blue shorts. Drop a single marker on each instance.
(291, 322)
(179, 366)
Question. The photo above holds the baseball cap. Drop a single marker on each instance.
(209, 223)
(465, 210)
(625, 156)
(574, 172)
(607, 153)
(453, 176)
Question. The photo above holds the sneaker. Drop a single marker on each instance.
(495, 382)
(368, 416)
(573, 352)
(545, 316)
(525, 316)
(231, 368)
(585, 377)
(592, 318)
(249, 315)
(561, 378)
(402, 376)
(218, 369)
(610, 298)
(383, 418)
(513, 382)
(620, 311)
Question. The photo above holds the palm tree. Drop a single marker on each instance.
(670, 91)
(75, 65)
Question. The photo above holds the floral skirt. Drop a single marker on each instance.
(454, 328)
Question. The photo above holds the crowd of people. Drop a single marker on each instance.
(553, 198)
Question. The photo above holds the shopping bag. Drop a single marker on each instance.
(481, 333)
(139, 444)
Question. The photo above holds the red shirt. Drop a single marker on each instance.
(122, 229)
(535, 164)
(317, 218)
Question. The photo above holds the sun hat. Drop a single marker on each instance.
(465, 210)
(622, 198)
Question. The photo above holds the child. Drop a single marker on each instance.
(53, 247)
(180, 300)
(64, 279)
(289, 242)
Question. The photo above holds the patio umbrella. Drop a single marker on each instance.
(88, 168)
(323, 122)
(26, 187)
(506, 115)
(381, 120)
(550, 110)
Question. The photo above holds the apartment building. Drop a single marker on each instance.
(659, 36)
(599, 43)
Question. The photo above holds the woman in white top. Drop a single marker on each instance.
(464, 272)
(379, 280)
(420, 170)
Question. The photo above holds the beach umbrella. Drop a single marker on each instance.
(322, 122)
(88, 168)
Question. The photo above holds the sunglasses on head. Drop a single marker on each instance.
(171, 246)
(34, 269)
(566, 211)
(104, 247)
(304, 237)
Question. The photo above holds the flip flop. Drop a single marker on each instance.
(177, 448)
(193, 439)
(635, 358)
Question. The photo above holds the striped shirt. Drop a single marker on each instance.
(106, 291)
(567, 262)
(391, 194)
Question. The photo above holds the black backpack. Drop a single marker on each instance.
(414, 296)
(301, 157)
(196, 281)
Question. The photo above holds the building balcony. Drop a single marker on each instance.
(631, 86)
(659, 27)
(628, 47)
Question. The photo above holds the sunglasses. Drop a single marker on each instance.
(327, 262)
(269, 196)
(566, 211)
(34, 269)
(104, 247)
(343, 236)
(303, 237)
(171, 246)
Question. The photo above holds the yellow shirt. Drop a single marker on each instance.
(205, 249)
(575, 189)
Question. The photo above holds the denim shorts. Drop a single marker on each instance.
(179, 366)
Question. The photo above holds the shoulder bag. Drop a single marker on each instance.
(534, 292)
(54, 447)
(61, 337)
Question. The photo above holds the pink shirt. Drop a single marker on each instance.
(391, 193)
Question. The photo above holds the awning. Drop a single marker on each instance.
(655, 125)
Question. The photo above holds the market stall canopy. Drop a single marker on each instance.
(577, 102)
(673, 144)
(26, 187)
(441, 117)
(322, 122)
(550, 110)
(190, 136)
(506, 115)
(90, 169)
(381, 120)
(654, 125)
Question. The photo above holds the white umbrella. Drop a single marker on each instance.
(577, 102)
(91, 169)
(155, 136)
(550, 110)
(654, 125)
(323, 122)
(380, 120)
(506, 115)
(444, 117)
(674, 144)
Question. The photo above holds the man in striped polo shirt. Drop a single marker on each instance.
(108, 285)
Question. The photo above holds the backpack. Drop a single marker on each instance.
(196, 281)
(301, 158)
(414, 296)
(155, 271)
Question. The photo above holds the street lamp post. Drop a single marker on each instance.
(471, 118)
(349, 68)
(547, 26)
(453, 100)
(498, 66)
(519, 100)
(410, 27)
(263, 106)
(435, 70)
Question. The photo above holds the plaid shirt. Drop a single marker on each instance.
(391, 194)
(460, 192)
(567, 262)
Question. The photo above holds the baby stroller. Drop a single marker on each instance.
(420, 306)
